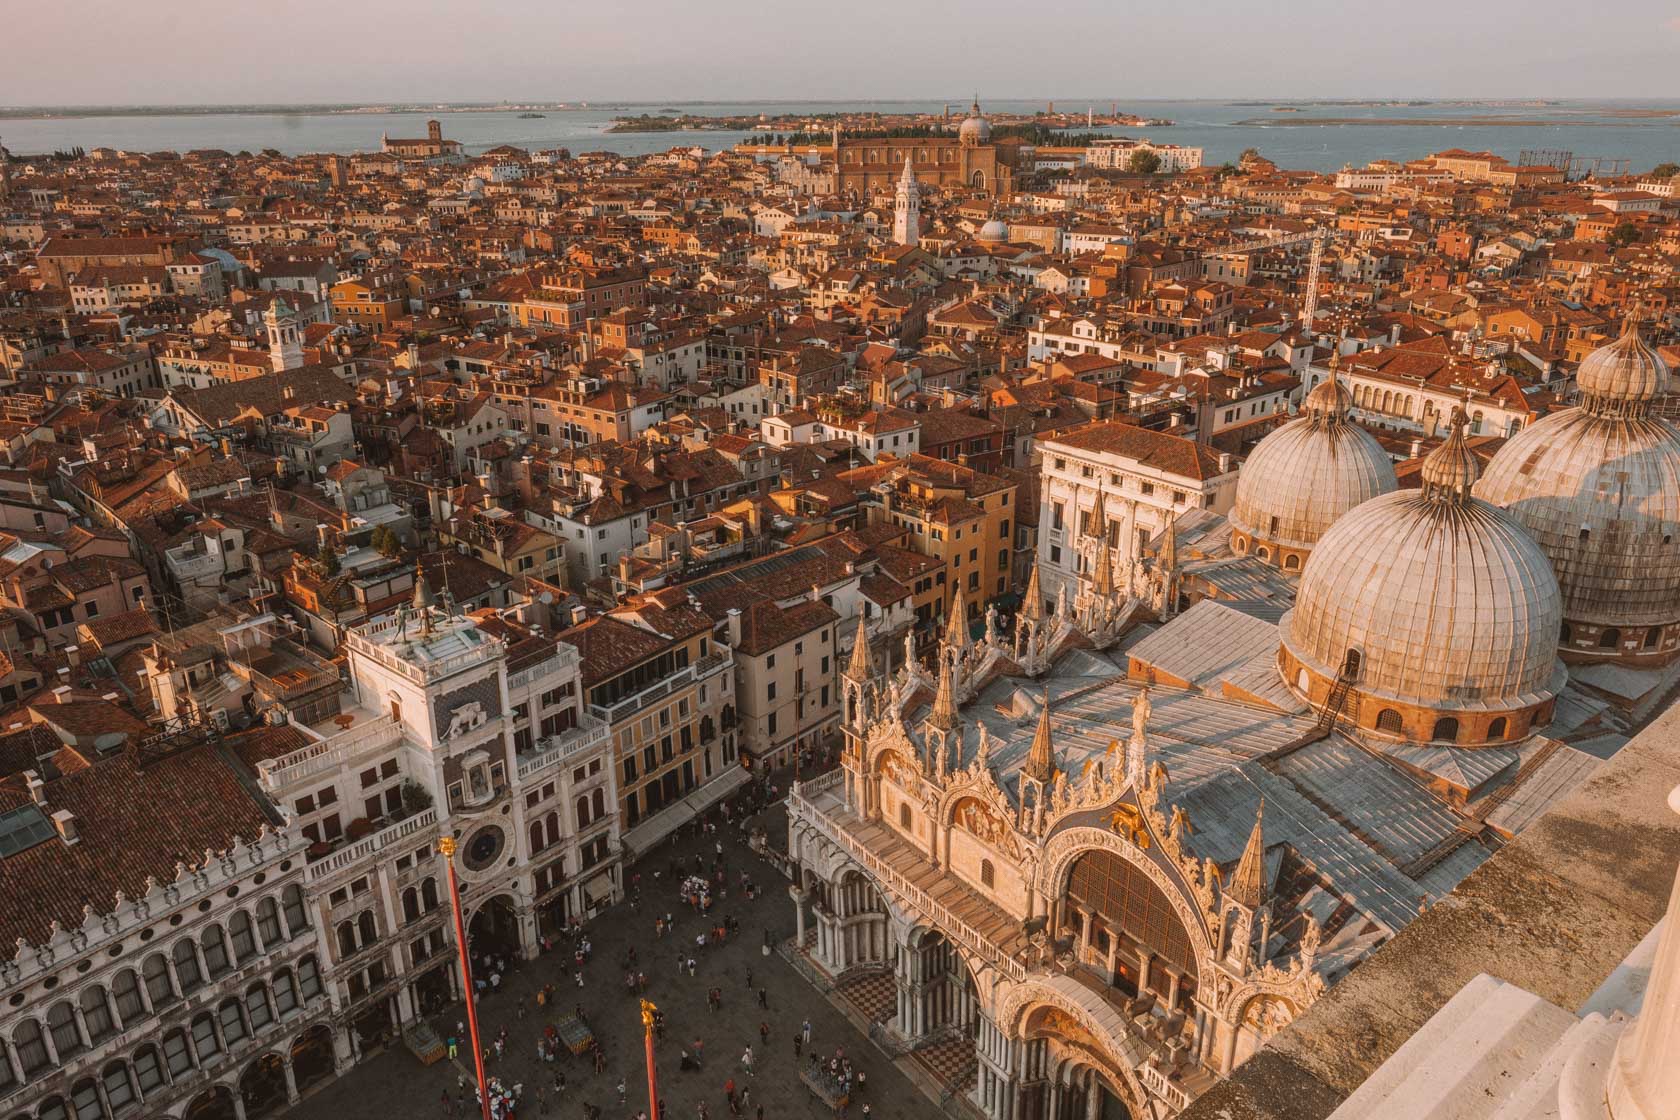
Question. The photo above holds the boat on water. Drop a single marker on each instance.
(531, 116)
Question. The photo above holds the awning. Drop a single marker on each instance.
(598, 889)
(647, 835)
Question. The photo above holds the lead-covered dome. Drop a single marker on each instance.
(994, 230)
(1303, 477)
(1438, 607)
(1624, 372)
(976, 129)
(1598, 487)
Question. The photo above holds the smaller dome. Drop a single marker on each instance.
(1621, 373)
(976, 129)
(1451, 469)
(1303, 477)
(994, 230)
(1329, 400)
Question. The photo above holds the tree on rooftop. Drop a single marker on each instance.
(1665, 170)
(1623, 235)
(328, 559)
(1143, 162)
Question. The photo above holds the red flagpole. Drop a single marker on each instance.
(653, 1077)
(446, 848)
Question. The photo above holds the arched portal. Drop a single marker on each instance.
(263, 1086)
(494, 930)
(312, 1056)
(215, 1103)
(1079, 1092)
(1079, 1079)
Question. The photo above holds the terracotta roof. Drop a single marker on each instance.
(1169, 454)
(133, 824)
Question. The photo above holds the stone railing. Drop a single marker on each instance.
(630, 705)
(565, 658)
(953, 926)
(377, 734)
(561, 747)
(1156, 1082)
(344, 858)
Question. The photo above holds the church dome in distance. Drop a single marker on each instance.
(1303, 477)
(1439, 609)
(995, 230)
(1598, 486)
(976, 129)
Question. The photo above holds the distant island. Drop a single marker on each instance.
(788, 125)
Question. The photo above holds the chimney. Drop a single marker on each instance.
(65, 821)
(1224, 462)
(37, 788)
(73, 655)
(1417, 448)
(579, 614)
(734, 622)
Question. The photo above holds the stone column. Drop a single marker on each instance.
(10, 1056)
(1228, 1053)
(291, 1080)
(1084, 933)
(1644, 1078)
(798, 915)
(238, 1102)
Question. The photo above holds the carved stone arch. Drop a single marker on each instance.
(1069, 844)
(893, 761)
(1258, 1018)
(1279, 987)
(1017, 1008)
(898, 921)
(1003, 838)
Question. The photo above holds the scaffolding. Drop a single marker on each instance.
(1559, 158)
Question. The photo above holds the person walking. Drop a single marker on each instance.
(764, 999)
(746, 1061)
(798, 1046)
(621, 1091)
(805, 1032)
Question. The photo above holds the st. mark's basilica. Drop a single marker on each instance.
(1096, 862)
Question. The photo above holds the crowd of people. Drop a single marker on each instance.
(699, 922)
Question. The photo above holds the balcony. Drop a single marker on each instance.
(553, 750)
(408, 829)
(367, 737)
(565, 660)
(976, 924)
(630, 705)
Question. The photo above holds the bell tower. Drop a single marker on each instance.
(285, 341)
(907, 208)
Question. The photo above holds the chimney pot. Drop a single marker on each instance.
(65, 821)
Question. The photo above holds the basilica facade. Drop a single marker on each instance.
(868, 165)
(1087, 867)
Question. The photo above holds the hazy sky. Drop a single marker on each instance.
(231, 51)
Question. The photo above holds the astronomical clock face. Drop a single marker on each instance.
(482, 849)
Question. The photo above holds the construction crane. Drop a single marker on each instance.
(1317, 237)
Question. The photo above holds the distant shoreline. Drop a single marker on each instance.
(1430, 122)
(67, 113)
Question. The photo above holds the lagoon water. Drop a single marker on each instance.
(1586, 128)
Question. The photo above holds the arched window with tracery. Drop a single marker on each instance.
(1127, 907)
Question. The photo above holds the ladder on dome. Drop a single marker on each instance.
(1327, 715)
